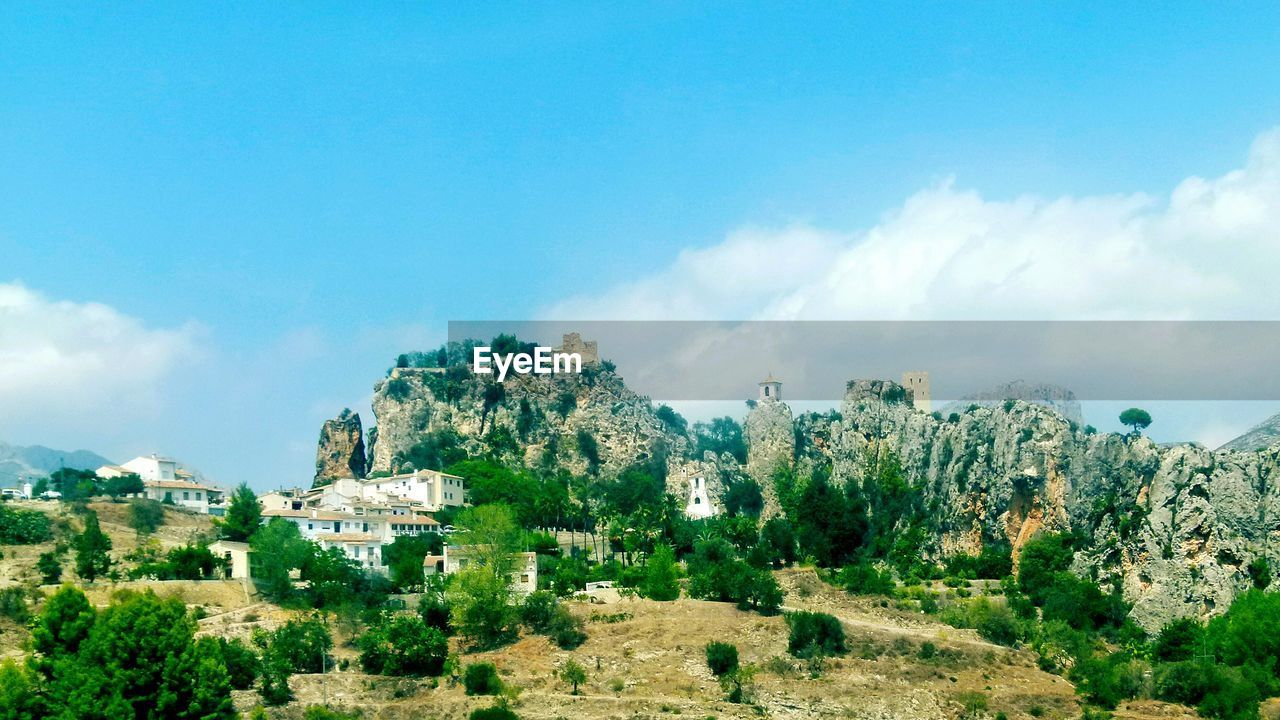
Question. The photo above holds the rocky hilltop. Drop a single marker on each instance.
(340, 453)
(590, 424)
(1176, 528)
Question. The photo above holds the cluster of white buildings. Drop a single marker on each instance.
(165, 481)
(361, 516)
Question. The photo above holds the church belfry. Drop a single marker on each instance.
(770, 389)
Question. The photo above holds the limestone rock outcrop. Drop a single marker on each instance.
(340, 453)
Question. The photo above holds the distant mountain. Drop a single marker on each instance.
(1264, 434)
(19, 464)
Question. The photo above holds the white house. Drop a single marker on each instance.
(152, 467)
(699, 505)
(183, 493)
(524, 579)
(434, 489)
(235, 555)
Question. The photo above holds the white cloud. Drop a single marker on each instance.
(64, 361)
(1208, 250)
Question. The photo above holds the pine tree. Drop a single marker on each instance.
(244, 515)
(92, 545)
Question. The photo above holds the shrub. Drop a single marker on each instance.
(1178, 640)
(13, 604)
(482, 679)
(722, 658)
(574, 674)
(1109, 680)
(145, 516)
(300, 645)
(864, 579)
(49, 567)
(565, 629)
(241, 661)
(403, 645)
(537, 610)
(321, 712)
(661, 579)
(815, 633)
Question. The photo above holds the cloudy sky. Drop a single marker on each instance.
(218, 227)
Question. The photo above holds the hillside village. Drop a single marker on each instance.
(559, 545)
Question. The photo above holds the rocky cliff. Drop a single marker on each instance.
(340, 453)
(1176, 527)
(590, 424)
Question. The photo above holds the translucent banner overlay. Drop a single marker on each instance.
(1122, 360)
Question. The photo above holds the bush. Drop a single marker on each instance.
(537, 610)
(13, 604)
(864, 579)
(722, 658)
(301, 645)
(815, 633)
(482, 679)
(241, 661)
(403, 645)
(50, 568)
(1109, 680)
(662, 576)
(145, 516)
(1178, 640)
(565, 629)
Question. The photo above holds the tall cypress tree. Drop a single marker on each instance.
(92, 545)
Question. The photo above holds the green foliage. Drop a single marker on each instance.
(995, 561)
(573, 674)
(13, 604)
(722, 658)
(1080, 603)
(589, 449)
(127, 484)
(335, 579)
(1260, 573)
(1043, 557)
(777, 542)
(404, 556)
(145, 516)
(1136, 418)
(138, 658)
(1108, 681)
(994, 622)
(480, 608)
(721, 435)
(403, 645)
(241, 661)
(662, 575)
(672, 420)
(244, 515)
(276, 549)
(49, 567)
(19, 697)
(301, 645)
(1249, 633)
(864, 579)
(23, 527)
(743, 497)
(716, 573)
(1179, 640)
(74, 484)
(831, 524)
(814, 634)
(482, 679)
(321, 712)
(439, 449)
(92, 546)
(432, 606)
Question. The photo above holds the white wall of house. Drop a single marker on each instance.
(183, 494)
(153, 467)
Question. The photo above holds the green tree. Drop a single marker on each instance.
(63, 625)
(74, 484)
(92, 547)
(49, 567)
(301, 644)
(127, 484)
(403, 645)
(404, 557)
(573, 674)
(244, 515)
(276, 549)
(662, 575)
(19, 698)
(1136, 418)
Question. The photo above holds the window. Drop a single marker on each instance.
(309, 526)
(186, 495)
(197, 496)
(357, 551)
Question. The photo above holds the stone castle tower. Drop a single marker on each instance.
(573, 343)
(918, 384)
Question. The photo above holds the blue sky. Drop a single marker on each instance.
(302, 190)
